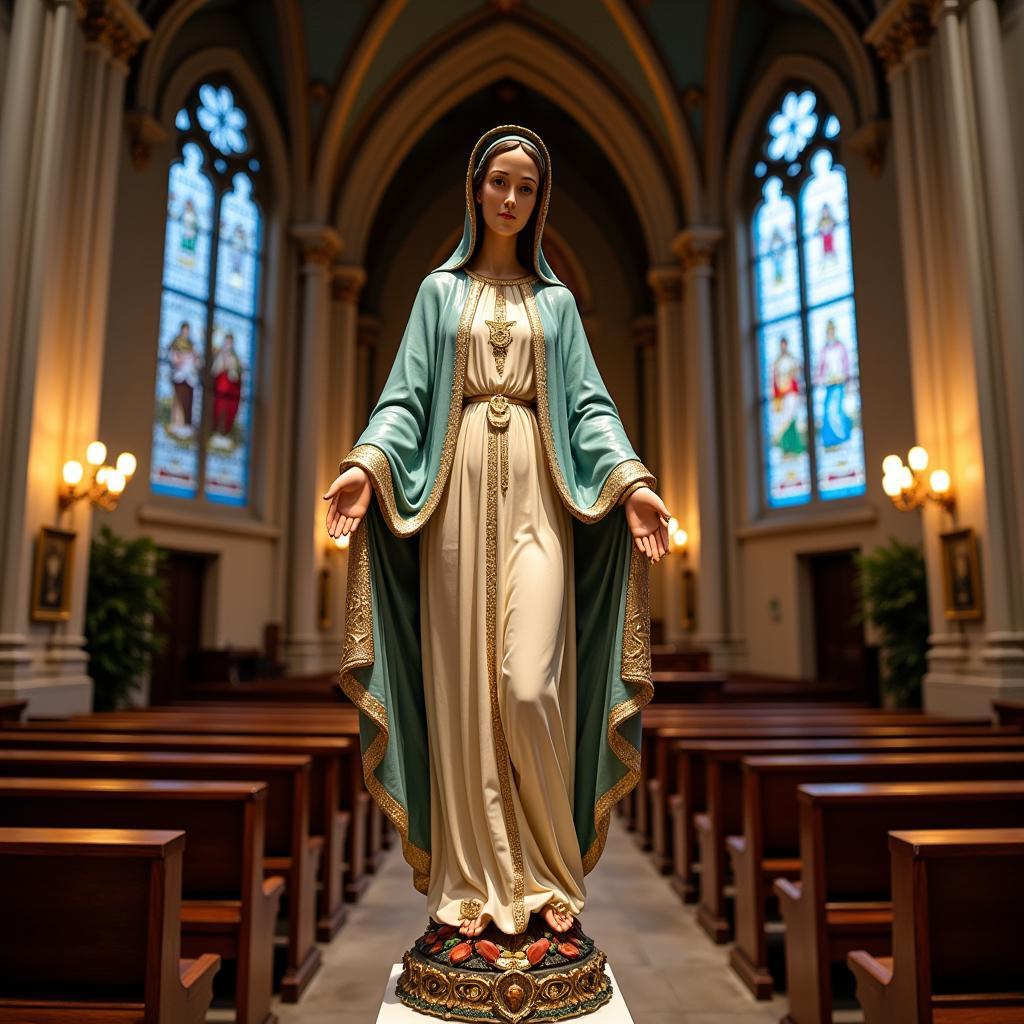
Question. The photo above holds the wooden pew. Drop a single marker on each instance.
(770, 844)
(327, 820)
(228, 906)
(339, 721)
(843, 900)
(12, 710)
(1009, 712)
(689, 759)
(270, 719)
(289, 849)
(678, 658)
(662, 731)
(710, 785)
(956, 945)
(379, 829)
(110, 901)
(673, 686)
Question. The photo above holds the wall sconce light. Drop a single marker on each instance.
(677, 538)
(107, 483)
(905, 483)
(341, 543)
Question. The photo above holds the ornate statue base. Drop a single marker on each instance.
(539, 975)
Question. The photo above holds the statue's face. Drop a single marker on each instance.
(509, 192)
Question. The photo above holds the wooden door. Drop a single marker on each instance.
(185, 572)
(840, 651)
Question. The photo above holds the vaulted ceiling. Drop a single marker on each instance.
(682, 67)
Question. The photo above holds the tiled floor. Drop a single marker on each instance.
(675, 976)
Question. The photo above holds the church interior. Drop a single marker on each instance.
(794, 233)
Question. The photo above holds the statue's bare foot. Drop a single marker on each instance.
(475, 925)
(558, 921)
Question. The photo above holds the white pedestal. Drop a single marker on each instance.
(394, 1012)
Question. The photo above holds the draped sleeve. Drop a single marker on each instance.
(590, 457)
(408, 442)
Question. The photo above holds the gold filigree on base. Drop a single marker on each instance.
(506, 997)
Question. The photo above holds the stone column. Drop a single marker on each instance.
(345, 389)
(705, 516)
(666, 578)
(307, 649)
(60, 141)
(1003, 653)
(644, 333)
(902, 38)
(368, 334)
(344, 412)
(945, 88)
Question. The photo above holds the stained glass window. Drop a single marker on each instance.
(210, 305)
(805, 331)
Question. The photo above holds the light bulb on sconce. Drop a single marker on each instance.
(939, 481)
(905, 485)
(127, 464)
(917, 459)
(341, 543)
(677, 537)
(107, 484)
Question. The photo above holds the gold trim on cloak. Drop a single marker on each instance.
(358, 652)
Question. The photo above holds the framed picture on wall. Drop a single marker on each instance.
(961, 574)
(51, 576)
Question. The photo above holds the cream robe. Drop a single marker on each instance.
(502, 828)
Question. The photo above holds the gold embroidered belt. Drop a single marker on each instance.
(498, 416)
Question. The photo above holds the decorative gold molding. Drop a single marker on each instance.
(870, 140)
(115, 26)
(319, 244)
(347, 283)
(905, 27)
(644, 331)
(369, 330)
(144, 132)
(666, 283)
(696, 248)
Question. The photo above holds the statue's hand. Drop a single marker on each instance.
(349, 498)
(648, 519)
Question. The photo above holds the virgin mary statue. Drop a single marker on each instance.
(497, 639)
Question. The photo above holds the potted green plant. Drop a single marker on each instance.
(894, 598)
(126, 594)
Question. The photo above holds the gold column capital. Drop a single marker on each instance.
(347, 282)
(368, 330)
(666, 283)
(115, 26)
(696, 248)
(144, 132)
(871, 140)
(644, 331)
(319, 245)
(903, 30)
